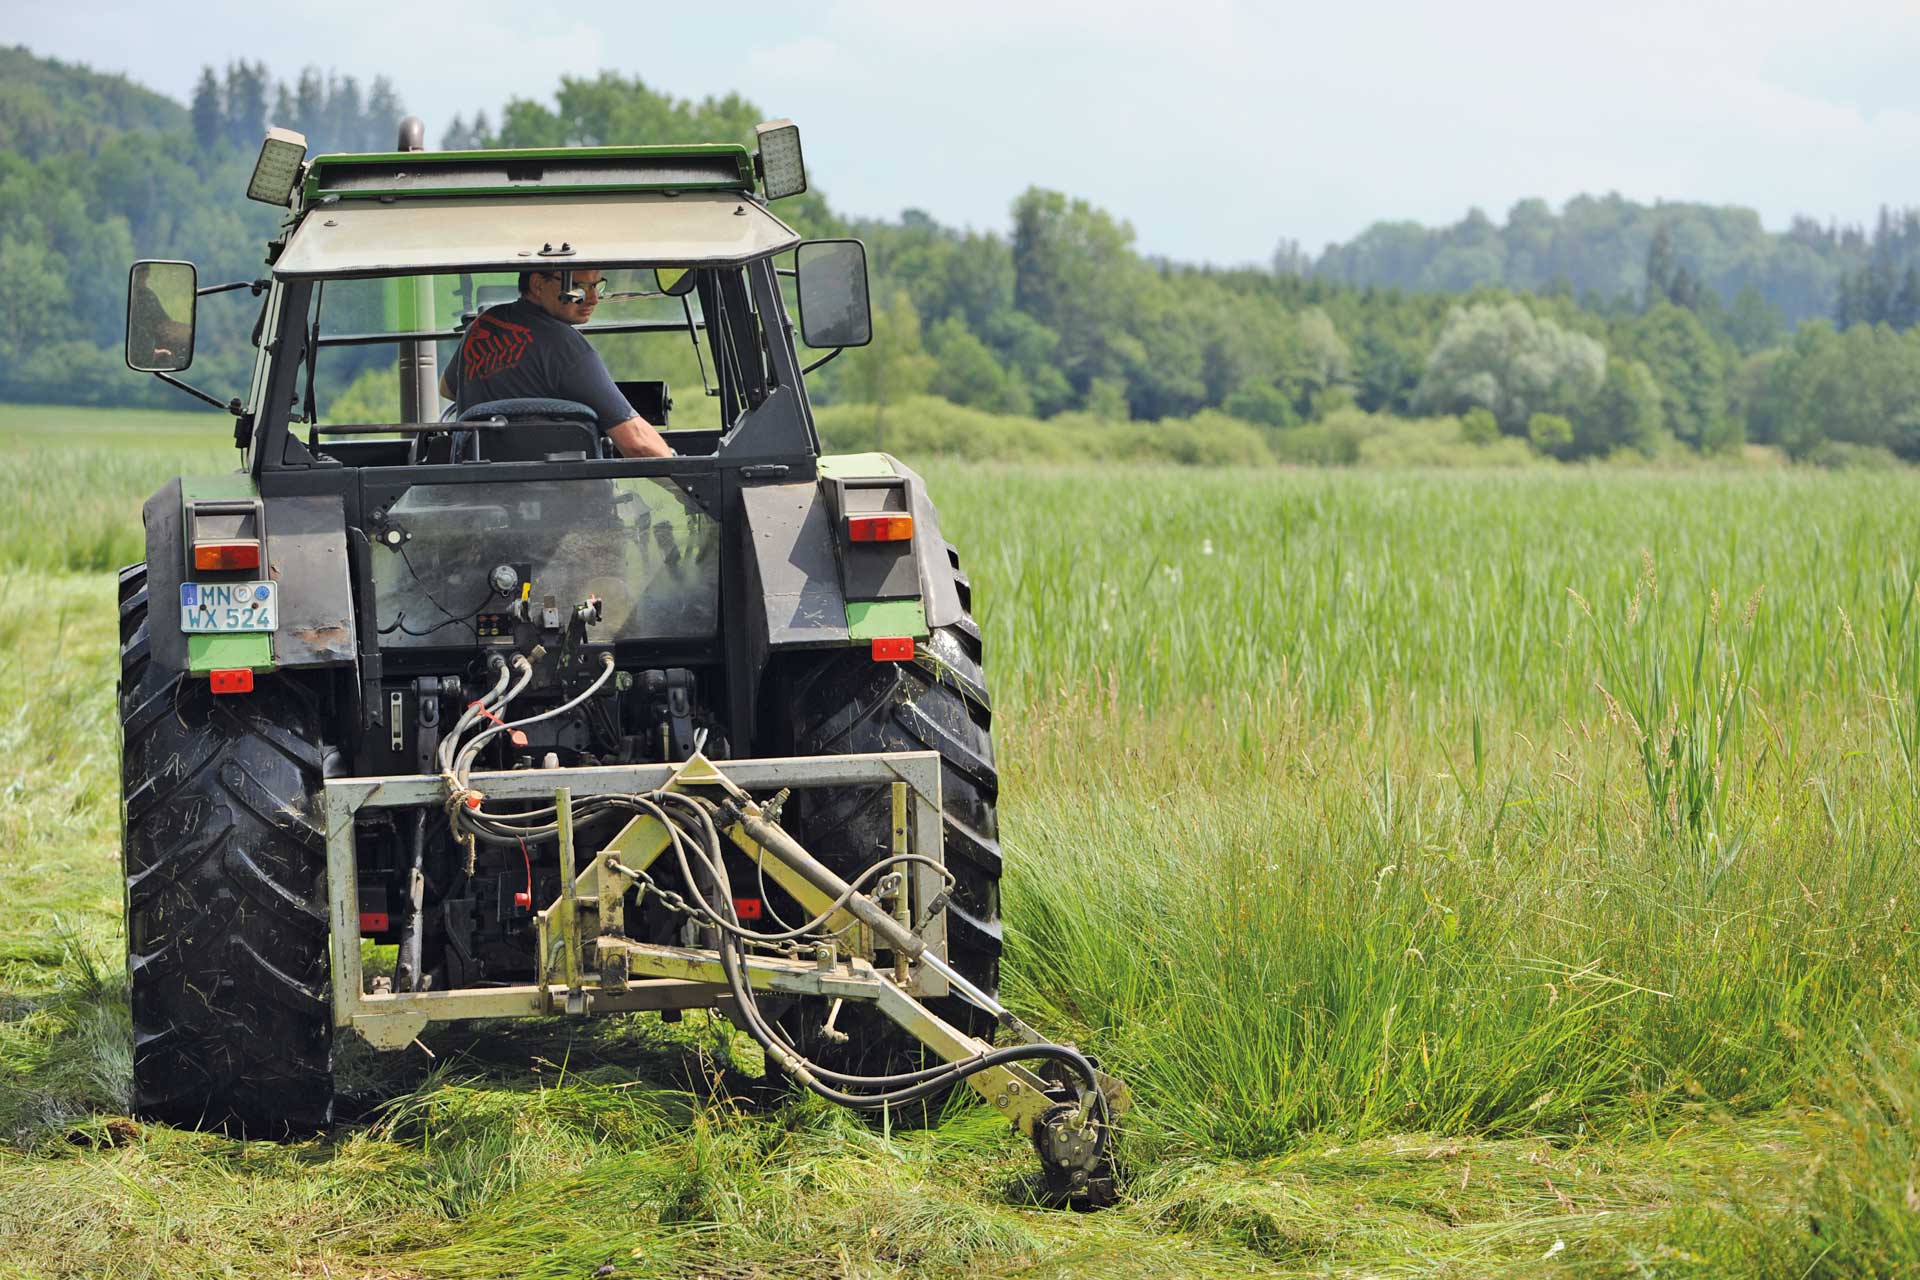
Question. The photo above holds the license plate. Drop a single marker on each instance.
(228, 606)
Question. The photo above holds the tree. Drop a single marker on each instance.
(968, 374)
(1686, 362)
(1623, 414)
(1505, 360)
(1551, 434)
(895, 365)
(384, 111)
(1075, 273)
(310, 103)
(246, 103)
(1260, 402)
(208, 111)
(1754, 323)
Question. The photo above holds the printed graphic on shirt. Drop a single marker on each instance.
(493, 345)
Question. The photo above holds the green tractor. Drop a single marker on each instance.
(557, 732)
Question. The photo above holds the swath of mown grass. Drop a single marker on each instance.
(1319, 832)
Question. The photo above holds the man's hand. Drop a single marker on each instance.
(636, 438)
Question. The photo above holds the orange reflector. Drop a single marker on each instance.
(231, 680)
(220, 556)
(373, 922)
(893, 649)
(889, 527)
(747, 908)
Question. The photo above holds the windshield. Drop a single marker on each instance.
(640, 333)
(638, 545)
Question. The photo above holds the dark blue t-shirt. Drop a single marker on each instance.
(516, 350)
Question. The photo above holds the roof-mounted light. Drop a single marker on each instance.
(277, 171)
(782, 171)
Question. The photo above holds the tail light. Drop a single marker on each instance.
(885, 526)
(223, 557)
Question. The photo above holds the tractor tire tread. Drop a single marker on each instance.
(227, 920)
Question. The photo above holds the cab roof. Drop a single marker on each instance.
(707, 166)
(557, 230)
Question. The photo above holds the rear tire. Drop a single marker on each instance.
(226, 898)
(841, 702)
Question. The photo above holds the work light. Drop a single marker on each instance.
(278, 169)
(782, 172)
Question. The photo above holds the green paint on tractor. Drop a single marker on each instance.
(250, 649)
(876, 619)
(856, 466)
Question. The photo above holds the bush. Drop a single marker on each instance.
(1479, 426)
(1551, 434)
(926, 426)
(1837, 455)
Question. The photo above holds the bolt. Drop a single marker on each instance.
(1000, 1100)
(1013, 1086)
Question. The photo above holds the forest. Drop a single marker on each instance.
(1609, 328)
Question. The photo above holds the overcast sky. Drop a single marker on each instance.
(1216, 127)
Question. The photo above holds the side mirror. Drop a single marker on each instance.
(831, 280)
(161, 302)
(675, 282)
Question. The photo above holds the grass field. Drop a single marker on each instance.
(1472, 873)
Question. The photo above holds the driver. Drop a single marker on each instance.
(529, 348)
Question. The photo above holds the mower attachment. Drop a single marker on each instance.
(853, 949)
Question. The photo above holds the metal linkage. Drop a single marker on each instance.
(585, 964)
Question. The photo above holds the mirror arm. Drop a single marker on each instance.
(232, 406)
(258, 286)
(822, 360)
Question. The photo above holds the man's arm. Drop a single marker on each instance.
(637, 438)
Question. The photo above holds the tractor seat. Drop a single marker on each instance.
(542, 430)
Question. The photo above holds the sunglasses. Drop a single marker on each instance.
(595, 287)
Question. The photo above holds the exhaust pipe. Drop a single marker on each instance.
(419, 365)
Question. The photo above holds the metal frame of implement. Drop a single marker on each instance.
(585, 965)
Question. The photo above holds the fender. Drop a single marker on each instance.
(799, 592)
(306, 548)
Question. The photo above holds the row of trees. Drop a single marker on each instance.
(1060, 314)
(232, 110)
(1595, 248)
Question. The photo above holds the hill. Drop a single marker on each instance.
(1603, 248)
(49, 107)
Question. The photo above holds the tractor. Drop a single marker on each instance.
(430, 716)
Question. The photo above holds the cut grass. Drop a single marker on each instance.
(1320, 832)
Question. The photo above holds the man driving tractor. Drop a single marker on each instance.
(530, 348)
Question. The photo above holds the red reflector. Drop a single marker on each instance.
(893, 649)
(747, 908)
(373, 922)
(891, 527)
(226, 555)
(233, 680)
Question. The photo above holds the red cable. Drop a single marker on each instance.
(528, 895)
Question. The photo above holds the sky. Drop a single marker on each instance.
(1217, 128)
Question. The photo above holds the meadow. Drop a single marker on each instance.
(1471, 872)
